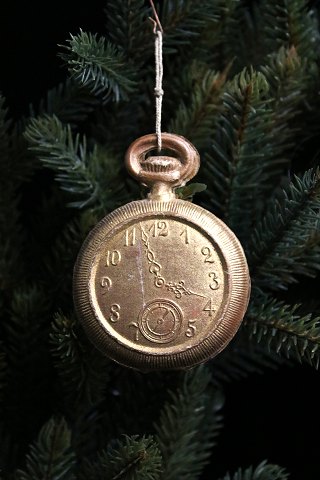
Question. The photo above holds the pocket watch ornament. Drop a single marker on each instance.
(161, 283)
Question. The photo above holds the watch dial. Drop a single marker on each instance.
(159, 285)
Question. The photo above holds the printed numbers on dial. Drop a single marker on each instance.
(214, 285)
(159, 228)
(106, 284)
(209, 308)
(113, 258)
(191, 330)
(114, 314)
(208, 254)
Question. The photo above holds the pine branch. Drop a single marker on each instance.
(4, 129)
(184, 22)
(51, 456)
(58, 261)
(100, 66)
(7, 451)
(240, 150)
(11, 236)
(289, 77)
(79, 172)
(286, 241)
(244, 357)
(3, 372)
(82, 369)
(196, 119)
(25, 325)
(132, 458)
(288, 23)
(70, 102)
(25, 330)
(129, 29)
(238, 40)
(283, 330)
(188, 426)
(264, 471)
(11, 240)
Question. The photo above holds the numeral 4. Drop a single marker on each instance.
(209, 308)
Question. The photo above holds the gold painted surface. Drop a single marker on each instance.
(161, 283)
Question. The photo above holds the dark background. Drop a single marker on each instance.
(271, 416)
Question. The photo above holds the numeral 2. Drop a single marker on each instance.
(207, 253)
(159, 229)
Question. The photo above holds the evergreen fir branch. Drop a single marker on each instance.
(51, 456)
(11, 240)
(7, 451)
(286, 73)
(183, 22)
(3, 372)
(288, 23)
(283, 330)
(10, 233)
(70, 102)
(240, 150)
(54, 145)
(129, 30)
(58, 261)
(4, 130)
(132, 458)
(28, 390)
(238, 38)
(242, 358)
(81, 367)
(100, 66)
(25, 325)
(16, 168)
(16, 164)
(79, 172)
(196, 120)
(188, 426)
(264, 471)
(288, 77)
(286, 241)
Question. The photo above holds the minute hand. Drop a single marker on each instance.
(177, 288)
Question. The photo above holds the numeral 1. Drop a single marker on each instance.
(209, 308)
(185, 232)
(159, 229)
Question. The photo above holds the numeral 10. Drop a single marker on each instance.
(113, 258)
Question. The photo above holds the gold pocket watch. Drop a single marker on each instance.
(161, 283)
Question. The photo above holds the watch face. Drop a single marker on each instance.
(161, 288)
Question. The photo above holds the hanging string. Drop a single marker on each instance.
(158, 91)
